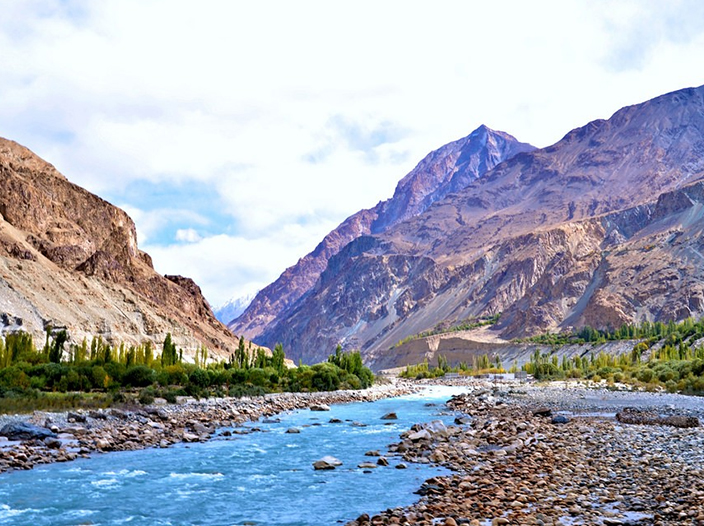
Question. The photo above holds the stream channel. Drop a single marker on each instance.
(262, 478)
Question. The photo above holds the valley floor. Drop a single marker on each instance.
(512, 466)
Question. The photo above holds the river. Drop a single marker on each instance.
(262, 478)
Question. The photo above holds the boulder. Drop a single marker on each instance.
(293, 430)
(423, 434)
(559, 419)
(366, 465)
(76, 417)
(98, 415)
(542, 411)
(390, 416)
(372, 453)
(632, 415)
(382, 461)
(190, 437)
(52, 443)
(320, 407)
(102, 444)
(25, 431)
(326, 462)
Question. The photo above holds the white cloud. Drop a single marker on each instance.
(188, 235)
(300, 113)
(149, 223)
(231, 266)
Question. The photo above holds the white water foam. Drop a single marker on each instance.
(202, 476)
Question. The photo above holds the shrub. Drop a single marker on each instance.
(116, 371)
(99, 377)
(13, 377)
(258, 377)
(172, 375)
(146, 396)
(325, 377)
(199, 378)
(240, 390)
(645, 375)
(138, 376)
(169, 396)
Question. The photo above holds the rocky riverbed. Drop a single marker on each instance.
(43, 437)
(556, 455)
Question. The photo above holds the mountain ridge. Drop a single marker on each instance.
(527, 229)
(440, 172)
(70, 259)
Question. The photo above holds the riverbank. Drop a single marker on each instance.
(575, 464)
(70, 435)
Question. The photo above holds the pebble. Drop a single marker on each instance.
(511, 463)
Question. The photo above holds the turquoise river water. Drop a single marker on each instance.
(262, 478)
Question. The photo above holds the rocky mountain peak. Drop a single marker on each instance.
(446, 170)
(441, 172)
(550, 238)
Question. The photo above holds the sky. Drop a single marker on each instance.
(237, 134)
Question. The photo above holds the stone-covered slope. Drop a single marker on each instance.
(70, 259)
(440, 173)
(540, 238)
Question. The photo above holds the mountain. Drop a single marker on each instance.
(440, 173)
(69, 259)
(233, 308)
(583, 232)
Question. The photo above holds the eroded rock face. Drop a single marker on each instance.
(599, 229)
(443, 171)
(70, 259)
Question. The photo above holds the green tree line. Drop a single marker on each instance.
(99, 368)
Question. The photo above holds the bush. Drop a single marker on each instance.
(116, 371)
(240, 390)
(199, 378)
(325, 377)
(13, 377)
(172, 375)
(169, 396)
(146, 397)
(99, 377)
(258, 377)
(645, 375)
(138, 376)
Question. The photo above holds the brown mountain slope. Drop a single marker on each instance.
(644, 263)
(70, 259)
(527, 240)
(440, 173)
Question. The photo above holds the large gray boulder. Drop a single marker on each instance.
(25, 431)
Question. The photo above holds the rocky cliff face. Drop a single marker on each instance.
(582, 232)
(70, 259)
(440, 173)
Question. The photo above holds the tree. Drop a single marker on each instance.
(241, 357)
(57, 347)
(277, 359)
(169, 354)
